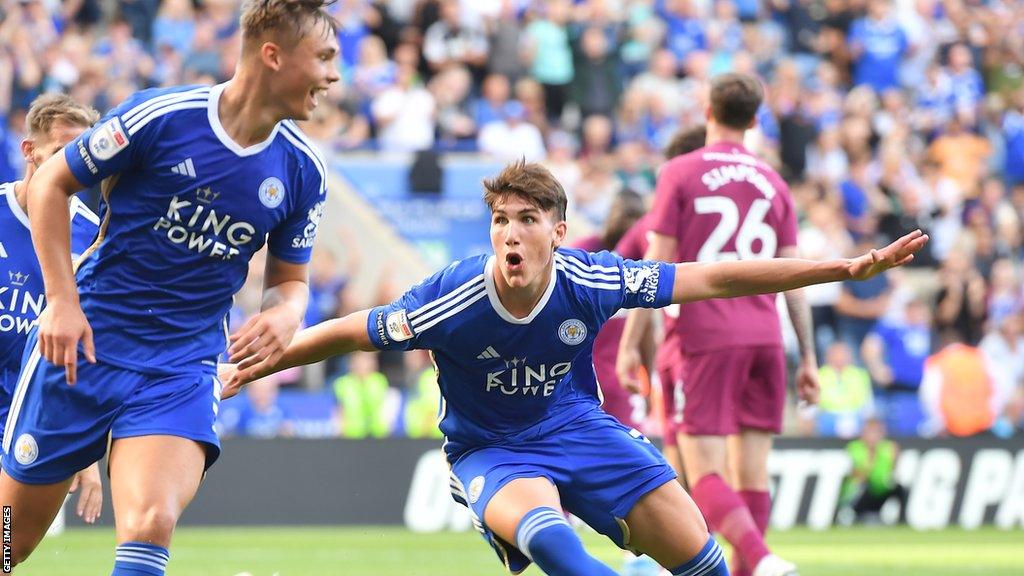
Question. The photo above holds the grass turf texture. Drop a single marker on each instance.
(389, 551)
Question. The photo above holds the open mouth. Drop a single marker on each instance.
(513, 261)
(314, 93)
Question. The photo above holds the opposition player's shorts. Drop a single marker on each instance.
(671, 379)
(732, 389)
(54, 430)
(8, 378)
(600, 467)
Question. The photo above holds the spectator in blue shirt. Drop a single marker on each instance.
(968, 88)
(262, 417)
(877, 43)
(1013, 133)
(326, 282)
(10, 152)
(494, 93)
(175, 26)
(861, 304)
(933, 101)
(685, 31)
(895, 353)
(895, 350)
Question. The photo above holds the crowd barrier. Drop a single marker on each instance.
(951, 482)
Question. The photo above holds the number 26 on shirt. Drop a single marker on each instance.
(751, 229)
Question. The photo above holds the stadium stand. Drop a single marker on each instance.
(883, 115)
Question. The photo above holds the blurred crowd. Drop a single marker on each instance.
(884, 116)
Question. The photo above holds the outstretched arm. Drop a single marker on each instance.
(705, 280)
(332, 338)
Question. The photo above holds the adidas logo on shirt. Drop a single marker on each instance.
(489, 354)
(185, 168)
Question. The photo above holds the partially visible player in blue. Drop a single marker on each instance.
(52, 121)
(512, 337)
(195, 180)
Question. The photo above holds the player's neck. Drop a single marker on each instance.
(244, 113)
(520, 302)
(720, 135)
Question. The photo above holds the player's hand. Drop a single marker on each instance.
(90, 498)
(896, 254)
(261, 341)
(62, 325)
(230, 384)
(807, 387)
(627, 367)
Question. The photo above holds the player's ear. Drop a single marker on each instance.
(270, 54)
(560, 230)
(27, 149)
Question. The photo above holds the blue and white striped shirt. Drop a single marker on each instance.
(185, 207)
(503, 378)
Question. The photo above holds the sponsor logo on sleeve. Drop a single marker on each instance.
(108, 140)
(312, 226)
(398, 326)
(84, 155)
(382, 334)
(635, 278)
(643, 280)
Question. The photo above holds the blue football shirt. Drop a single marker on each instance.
(884, 45)
(184, 209)
(22, 297)
(504, 378)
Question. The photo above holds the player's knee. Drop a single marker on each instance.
(151, 524)
(753, 480)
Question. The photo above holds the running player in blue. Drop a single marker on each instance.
(511, 336)
(195, 180)
(53, 120)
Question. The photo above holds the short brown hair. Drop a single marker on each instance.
(51, 109)
(686, 141)
(735, 99)
(531, 182)
(292, 18)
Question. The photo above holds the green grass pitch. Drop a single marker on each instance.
(380, 551)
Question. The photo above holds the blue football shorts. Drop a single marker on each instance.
(54, 430)
(600, 467)
(8, 378)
